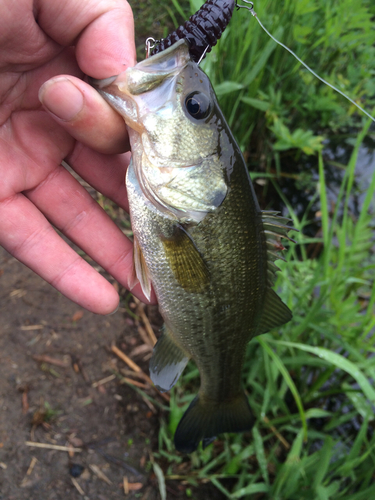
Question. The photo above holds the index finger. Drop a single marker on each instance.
(102, 30)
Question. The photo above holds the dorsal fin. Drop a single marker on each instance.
(275, 228)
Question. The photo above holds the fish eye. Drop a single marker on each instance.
(198, 105)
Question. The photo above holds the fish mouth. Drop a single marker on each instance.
(114, 91)
(158, 71)
(100, 84)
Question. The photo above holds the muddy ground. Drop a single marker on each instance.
(52, 353)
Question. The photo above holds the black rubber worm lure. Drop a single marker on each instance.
(202, 30)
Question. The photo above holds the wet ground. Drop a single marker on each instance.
(52, 356)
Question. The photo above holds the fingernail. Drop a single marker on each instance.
(62, 98)
(114, 312)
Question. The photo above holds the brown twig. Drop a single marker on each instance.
(29, 471)
(277, 433)
(137, 369)
(104, 381)
(52, 361)
(78, 367)
(135, 486)
(78, 487)
(99, 473)
(25, 401)
(52, 446)
(143, 350)
(126, 485)
(126, 380)
(146, 339)
(146, 322)
(141, 312)
(150, 405)
(31, 466)
(127, 360)
(130, 373)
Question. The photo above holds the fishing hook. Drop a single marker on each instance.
(150, 44)
(251, 9)
(203, 55)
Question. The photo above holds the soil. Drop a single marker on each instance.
(51, 354)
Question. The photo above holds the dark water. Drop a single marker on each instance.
(299, 180)
(299, 186)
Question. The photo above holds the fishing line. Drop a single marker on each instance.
(251, 9)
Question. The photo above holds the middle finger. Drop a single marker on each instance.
(70, 208)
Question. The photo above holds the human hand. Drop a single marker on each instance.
(35, 190)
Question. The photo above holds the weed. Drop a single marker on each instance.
(310, 383)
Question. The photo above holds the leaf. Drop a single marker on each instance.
(227, 87)
(337, 360)
(360, 403)
(259, 451)
(318, 413)
(161, 480)
(300, 33)
(250, 490)
(288, 379)
(261, 62)
(256, 103)
(366, 494)
(290, 470)
(220, 487)
(325, 455)
(77, 315)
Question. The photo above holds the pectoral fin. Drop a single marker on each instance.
(140, 269)
(186, 262)
(167, 363)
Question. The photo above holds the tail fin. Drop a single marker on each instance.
(205, 419)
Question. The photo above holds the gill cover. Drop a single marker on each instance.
(170, 107)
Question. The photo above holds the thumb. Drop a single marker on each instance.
(82, 112)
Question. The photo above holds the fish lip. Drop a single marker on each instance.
(102, 82)
(115, 91)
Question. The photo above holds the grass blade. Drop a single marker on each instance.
(161, 480)
(337, 360)
(288, 379)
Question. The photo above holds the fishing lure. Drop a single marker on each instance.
(202, 30)
(205, 27)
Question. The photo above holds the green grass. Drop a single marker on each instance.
(310, 383)
(261, 85)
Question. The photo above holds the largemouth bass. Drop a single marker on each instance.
(200, 237)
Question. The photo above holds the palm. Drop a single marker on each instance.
(34, 187)
(33, 141)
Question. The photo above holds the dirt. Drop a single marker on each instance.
(52, 400)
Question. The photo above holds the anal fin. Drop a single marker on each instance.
(168, 362)
(275, 312)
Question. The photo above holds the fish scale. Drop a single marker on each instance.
(200, 238)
